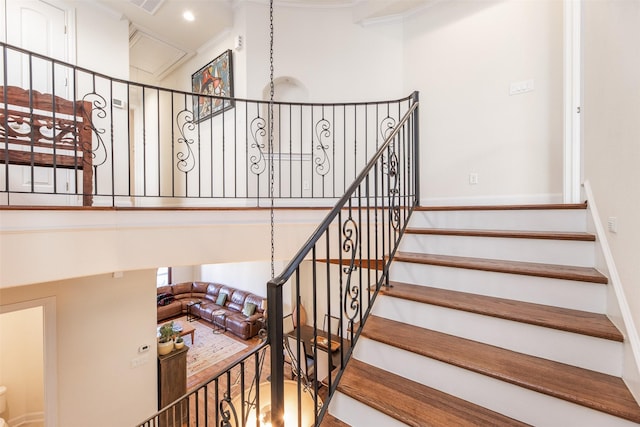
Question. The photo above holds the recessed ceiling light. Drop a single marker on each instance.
(188, 15)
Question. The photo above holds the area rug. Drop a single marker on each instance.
(209, 348)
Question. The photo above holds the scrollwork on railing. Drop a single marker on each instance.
(186, 160)
(321, 161)
(351, 292)
(394, 190)
(227, 413)
(258, 161)
(387, 125)
(389, 165)
(98, 149)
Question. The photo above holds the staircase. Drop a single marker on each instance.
(495, 317)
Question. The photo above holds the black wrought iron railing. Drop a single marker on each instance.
(103, 141)
(336, 275)
(223, 399)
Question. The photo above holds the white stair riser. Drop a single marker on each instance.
(574, 349)
(567, 220)
(541, 290)
(564, 252)
(357, 414)
(513, 401)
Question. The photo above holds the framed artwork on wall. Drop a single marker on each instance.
(214, 80)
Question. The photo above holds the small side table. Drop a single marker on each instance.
(219, 318)
(191, 316)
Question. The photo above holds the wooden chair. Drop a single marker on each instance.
(323, 366)
(303, 367)
(40, 130)
(287, 323)
(334, 322)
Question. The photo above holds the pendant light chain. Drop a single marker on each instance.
(271, 170)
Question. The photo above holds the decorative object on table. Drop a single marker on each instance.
(213, 80)
(303, 315)
(165, 339)
(327, 344)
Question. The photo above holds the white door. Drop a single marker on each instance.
(39, 27)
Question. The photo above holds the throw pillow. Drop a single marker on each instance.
(248, 309)
(222, 298)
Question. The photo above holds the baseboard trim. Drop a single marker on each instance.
(513, 199)
(631, 362)
(27, 419)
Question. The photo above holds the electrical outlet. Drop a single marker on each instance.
(305, 185)
(473, 178)
(612, 224)
(138, 361)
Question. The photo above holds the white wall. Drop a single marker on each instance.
(184, 273)
(611, 109)
(101, 35)
(334, 58)
(462, 57)
(343, 61)
(250, 276)
(101, 322)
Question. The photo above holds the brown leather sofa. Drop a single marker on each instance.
(201, 299)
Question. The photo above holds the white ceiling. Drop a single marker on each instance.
(161, 40)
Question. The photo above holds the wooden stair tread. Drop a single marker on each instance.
(581, 386)
(564, 319)
(503, 207)
(517, 234)
(566, 272)
(413, 403)
(330, 421)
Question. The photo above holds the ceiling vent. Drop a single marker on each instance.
(149, 6)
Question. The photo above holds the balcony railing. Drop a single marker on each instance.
(103, 141)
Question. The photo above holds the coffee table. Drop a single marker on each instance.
(182, 328)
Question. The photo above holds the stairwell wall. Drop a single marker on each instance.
(611, 107)
(462, 56)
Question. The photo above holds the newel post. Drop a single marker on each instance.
(416, 144)
(274, 328)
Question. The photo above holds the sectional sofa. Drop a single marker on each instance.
(243, 311)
